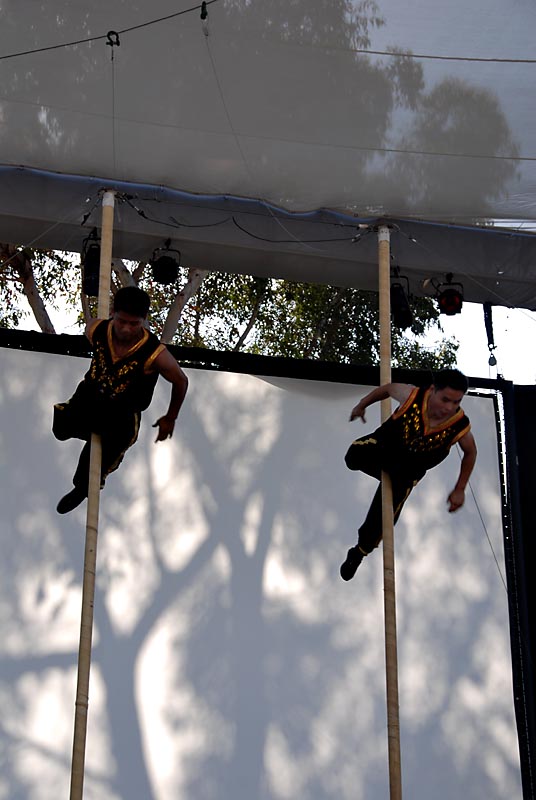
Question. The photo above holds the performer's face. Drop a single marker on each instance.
(127, 328)
(443, 403)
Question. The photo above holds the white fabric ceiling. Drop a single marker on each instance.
(279, 104)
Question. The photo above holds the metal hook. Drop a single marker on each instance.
(113, 39)
(204, 18)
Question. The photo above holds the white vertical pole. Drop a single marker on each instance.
(92, 523)
(391, 657)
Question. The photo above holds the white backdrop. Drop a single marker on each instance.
(230, 660)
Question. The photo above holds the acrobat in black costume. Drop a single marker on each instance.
(416, 438)
(119, 385)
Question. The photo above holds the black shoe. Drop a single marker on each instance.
(71, 500)
(353, 560)
(59, 428)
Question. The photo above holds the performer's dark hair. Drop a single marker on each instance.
(132, 300)
(451, 379)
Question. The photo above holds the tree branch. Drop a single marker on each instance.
(322, 322)
(86, 309)
(263, 284)
(138, 272)
(22, 265)
(124, 275)
(195, 279)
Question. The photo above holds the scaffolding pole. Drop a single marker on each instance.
(92, 524)
(389, 594)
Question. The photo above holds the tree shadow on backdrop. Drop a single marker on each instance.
(229, 659)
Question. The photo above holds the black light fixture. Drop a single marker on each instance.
(165, 268)
(90, 263)
(401, 312)
(450, 296)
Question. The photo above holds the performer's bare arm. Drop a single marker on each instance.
(398, 391)
(456, 498)
(166, 366)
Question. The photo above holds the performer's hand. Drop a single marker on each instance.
(456, 499)
(165, 427)
(358, 411)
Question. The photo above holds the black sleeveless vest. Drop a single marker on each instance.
(410, 444)
(122, 381)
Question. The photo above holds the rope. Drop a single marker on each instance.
(503, 580)
(293, 238)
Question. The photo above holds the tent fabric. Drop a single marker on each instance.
(248, 236)
(279, 110)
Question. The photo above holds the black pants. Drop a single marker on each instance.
(366, 455)
(85, 414)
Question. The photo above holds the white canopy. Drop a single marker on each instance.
(260, 138)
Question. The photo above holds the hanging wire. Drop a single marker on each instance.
(96, 202)
(204, 22)
(202, 6)
(105, 36)
(347, 239)
(113, 41)
(255, 213)
(56, 224)
(174, 223)
(429, 56)
(358, 229)
(503, 580)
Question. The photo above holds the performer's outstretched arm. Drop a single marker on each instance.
(398, 391)
(456, 498)
(166, 366)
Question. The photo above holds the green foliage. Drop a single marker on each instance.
(296, 320)
(11, 313)
(300, 320)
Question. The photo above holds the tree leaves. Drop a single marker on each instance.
(255, 314)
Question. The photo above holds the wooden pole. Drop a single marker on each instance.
(92, 523)
(389, 595)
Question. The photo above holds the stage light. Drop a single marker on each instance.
(401, 312)
(165, 268)
(90, 263)
(450, 302)
(450, 297)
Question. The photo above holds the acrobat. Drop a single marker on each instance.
(119, 385)
(415, 438)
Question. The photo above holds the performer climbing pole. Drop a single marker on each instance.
(414, 439)
(105, 412)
